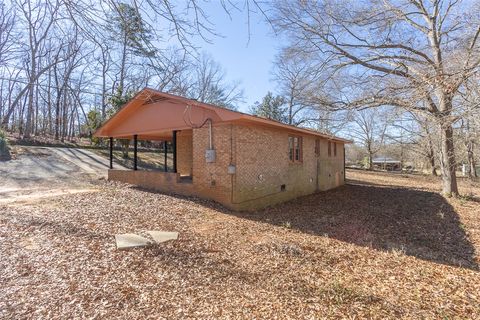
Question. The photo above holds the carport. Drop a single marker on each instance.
(157, 116)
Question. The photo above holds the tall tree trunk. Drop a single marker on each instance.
(57, 103)
(57, 120)
(21, 116)
(29, 116)
(13, 105)
(431, 159)
(447, 162)
(472, 172)
(49, 103)
(125, 146)
(18, 98)
(290, 109)
(2, 102)
(104, 90)
(37, 110)
(64, 116)
(370, 160)
(122, 66)
(32, 79)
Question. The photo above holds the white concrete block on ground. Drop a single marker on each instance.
(130, 240)
(162, 236)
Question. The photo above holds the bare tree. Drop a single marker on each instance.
(38, 19)
(368, 128)
(470, 125)
(296, 77)
(7, 22)
(419, 136)
(63, 73)
(105, 63)
(470, 143)
(45, 91)
(402, 53)
(205, 81)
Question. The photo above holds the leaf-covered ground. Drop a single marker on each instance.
(385, 246)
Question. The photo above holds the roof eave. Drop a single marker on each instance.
(224, 114)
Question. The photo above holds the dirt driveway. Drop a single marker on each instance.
(38, 172)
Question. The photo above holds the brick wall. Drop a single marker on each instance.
(212, 179)
(263, 166)
(184, 152)
(260, 155)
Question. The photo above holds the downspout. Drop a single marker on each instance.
(210, 142)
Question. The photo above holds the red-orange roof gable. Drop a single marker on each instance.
(152, 114)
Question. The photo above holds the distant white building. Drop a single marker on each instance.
(387, 163)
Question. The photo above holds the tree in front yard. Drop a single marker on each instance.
(416, 55)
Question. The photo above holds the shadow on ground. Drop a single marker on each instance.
(4, 151)
(414, 222)
(418, 223)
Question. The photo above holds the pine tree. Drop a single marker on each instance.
(271, 107)
(129, 30)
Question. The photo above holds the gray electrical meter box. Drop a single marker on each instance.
(210, 155)
(231, 169)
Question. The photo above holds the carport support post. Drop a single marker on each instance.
(135, 141)
(165, 168)
(174, 142)
(111, 153)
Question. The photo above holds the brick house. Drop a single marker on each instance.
(241, 161)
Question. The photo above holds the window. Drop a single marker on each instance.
(297, 142)
(334, 149)
(329, 149)
(317, 147)
(295, 149)
(290, 148)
